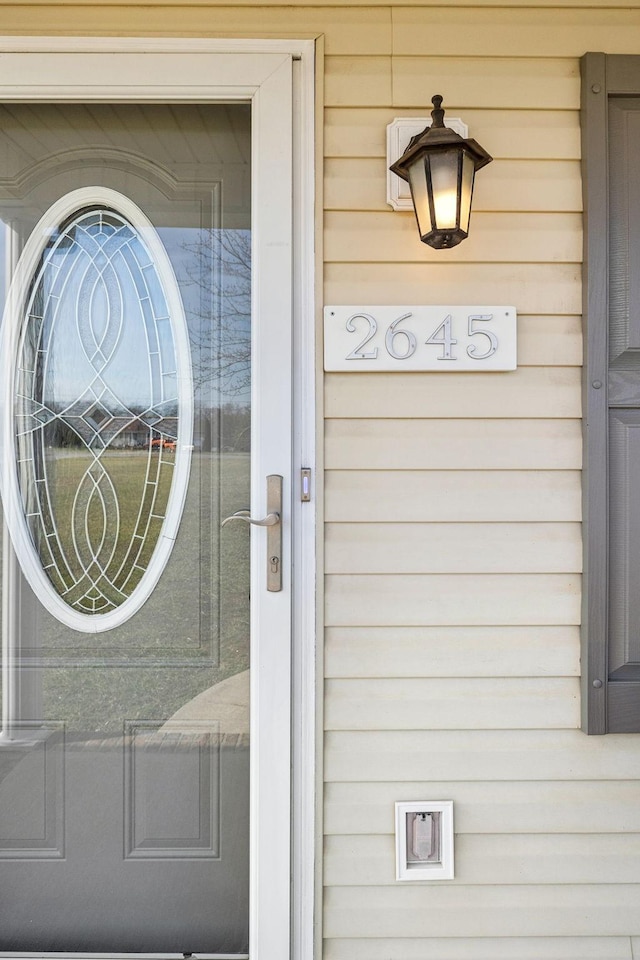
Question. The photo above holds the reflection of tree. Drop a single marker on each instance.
(65, 436)
(235, 428)
(217, 295)
(219, 308)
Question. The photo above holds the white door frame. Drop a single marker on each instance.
(278, 77)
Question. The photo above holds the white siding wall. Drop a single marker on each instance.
(453, 549)
(453, 501)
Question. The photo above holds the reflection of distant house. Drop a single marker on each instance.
(225, 429)
(95, 426)
(138, 434)
(135, 434)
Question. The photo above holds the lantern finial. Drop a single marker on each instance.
(437, 114)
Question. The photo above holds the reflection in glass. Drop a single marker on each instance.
(124, 754)
(96, 412)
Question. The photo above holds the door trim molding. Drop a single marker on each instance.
(306, 744)
(56, 69)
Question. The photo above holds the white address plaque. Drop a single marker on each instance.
(419, 338)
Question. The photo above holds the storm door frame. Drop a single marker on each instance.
(116, 69)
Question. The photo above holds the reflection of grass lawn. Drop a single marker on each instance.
(112, 510)
(198, 614)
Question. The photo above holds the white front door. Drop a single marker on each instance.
(147, 359)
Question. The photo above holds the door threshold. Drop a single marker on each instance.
(26, 955)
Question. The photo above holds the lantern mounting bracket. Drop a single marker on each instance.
(399, 133)
(440, 167)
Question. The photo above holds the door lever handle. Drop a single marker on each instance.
(273, 520)
(269, 521)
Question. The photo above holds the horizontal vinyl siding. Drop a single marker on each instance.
(489, 598)
(537, 288)
(452, 508)
(469, 651)
(262, 8)
(473, 754)
(452, 501)
(501, 859)
(530, 392)
(494, 807)
(542, 238)
(475, 911)
(544, 135)
(347, 30)
(513, 185)
(454, 444)
(515, 32)
(453, 703)
(449, 548)
(484, 948)
(452, 496)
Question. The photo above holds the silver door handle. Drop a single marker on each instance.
(269, 521)
(274, 534)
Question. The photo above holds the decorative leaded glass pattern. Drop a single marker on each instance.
(97, 408)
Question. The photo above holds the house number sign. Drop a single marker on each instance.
(440, 339)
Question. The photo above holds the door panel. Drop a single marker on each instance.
(124, 758)
(623, 400)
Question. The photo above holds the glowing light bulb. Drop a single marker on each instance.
(446, 208)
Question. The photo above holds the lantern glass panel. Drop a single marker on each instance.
(468, 172)
(420, 194)
(444, 180)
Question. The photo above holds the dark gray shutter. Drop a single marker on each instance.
(611, 178)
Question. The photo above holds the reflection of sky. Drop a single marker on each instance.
(127, 372)
(106, 320)
(213, 273)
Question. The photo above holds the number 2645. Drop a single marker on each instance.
(401, 342)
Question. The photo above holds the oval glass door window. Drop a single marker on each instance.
(97, 419)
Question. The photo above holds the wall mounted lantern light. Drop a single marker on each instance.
(440, 167)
